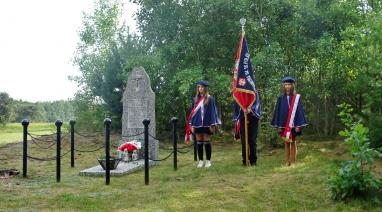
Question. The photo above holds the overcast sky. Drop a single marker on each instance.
(37, 42)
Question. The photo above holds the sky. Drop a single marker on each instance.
(37, 44)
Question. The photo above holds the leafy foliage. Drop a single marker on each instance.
(5, 104)
(355, 177)
(318, 42)
(12, 110)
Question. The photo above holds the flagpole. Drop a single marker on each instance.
(246, 137)
(242, 22)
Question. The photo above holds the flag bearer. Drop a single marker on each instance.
(254, 115)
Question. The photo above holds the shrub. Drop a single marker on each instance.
(355, 176)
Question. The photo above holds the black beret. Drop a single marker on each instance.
(202, 82)
(288, 79)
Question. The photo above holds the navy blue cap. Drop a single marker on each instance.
(288, 79)
(202, 82)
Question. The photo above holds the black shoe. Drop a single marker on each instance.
(250, 163)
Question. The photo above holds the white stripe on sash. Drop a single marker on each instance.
(291, 122)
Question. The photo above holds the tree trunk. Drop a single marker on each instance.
(326, 116)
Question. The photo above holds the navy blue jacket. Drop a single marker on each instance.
(209, 113)
(280, 114)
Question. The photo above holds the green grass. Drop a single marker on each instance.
(226, 186)
(13, 132)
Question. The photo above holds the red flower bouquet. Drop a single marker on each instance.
(129, 146)
(128, 150)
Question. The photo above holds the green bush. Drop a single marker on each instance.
(355, 177)
(374, 122)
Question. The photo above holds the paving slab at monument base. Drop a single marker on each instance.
(123, 168)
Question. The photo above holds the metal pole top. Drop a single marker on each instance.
(25, 122)
(174, 119)
(146, 121)
(72, 122)
(242, 22)
(107, 121)
(58, 123)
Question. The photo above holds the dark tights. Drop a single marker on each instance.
(207, 145)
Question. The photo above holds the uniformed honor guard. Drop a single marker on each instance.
(202, 122)
(254, 114)
(288, 118)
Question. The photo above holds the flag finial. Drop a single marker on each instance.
(242, 22)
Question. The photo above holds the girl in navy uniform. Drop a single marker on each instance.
(288, 118)
(202, 122)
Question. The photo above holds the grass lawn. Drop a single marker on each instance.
(13, 132)
(226, 186)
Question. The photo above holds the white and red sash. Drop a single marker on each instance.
(287, 135)
(194, 110)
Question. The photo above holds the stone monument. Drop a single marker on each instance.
(138, 104)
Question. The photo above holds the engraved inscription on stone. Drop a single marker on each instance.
(136, 79)
(137, 111)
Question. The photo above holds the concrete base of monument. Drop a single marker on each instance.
(123, 168)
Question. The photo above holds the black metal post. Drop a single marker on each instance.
(58, 150)
(25, 124)
(195, 148)
(107, 123)
(72, 123)
(146, 123)
(174, 121)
